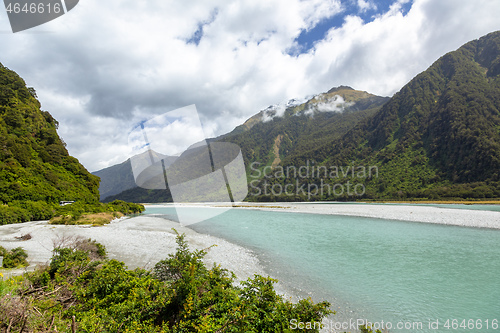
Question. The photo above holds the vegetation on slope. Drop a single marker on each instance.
(138, 194)
(303, 128)
(436, 139)
(36, 171)
(82, 291)
(115, 180)
(34, 163)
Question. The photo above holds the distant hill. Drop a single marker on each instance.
(115, 179)
(118, 182)
(141, 195)
(438, 137)
(35, 167)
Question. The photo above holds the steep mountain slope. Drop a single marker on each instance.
(439, 136)
(34, 163)
(141, 195)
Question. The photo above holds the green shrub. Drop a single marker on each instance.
(81, 213)
(76, 258)
(14, 258)
(9, 215)
(207, 300)
(125, 207)
(180, 295)
(36, 210)
(8, 286)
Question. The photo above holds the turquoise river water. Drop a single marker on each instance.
(408, 277)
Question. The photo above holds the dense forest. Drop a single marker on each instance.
(34, 163)
(36, 171)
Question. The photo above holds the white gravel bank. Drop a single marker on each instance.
(139, 242)
(401, 212)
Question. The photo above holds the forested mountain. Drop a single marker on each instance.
(438, 137)
(141, 195)
(35, 167)
(117, 183)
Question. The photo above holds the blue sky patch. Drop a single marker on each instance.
(198, 34)
(307, 39)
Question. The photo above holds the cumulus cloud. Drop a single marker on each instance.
(325, 103)
(107, 65)
(335, 104)
(278, 110)
(365, 5)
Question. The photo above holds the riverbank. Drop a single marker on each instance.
(409, 213)
(401, 212)
(139, 241)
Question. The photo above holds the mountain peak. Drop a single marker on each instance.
(339, 88)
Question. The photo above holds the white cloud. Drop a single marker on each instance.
(316, 10)
(104, 66)
(335, 104)
(366, 5)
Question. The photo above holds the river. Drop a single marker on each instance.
(406, 276)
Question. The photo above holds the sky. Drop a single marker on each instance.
(106, 66)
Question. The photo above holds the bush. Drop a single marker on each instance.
(76, 257)
(37, 210)
(14, 258)
(7, 287)
(180, 295)
(95, 214)
(9, 215)
(125, 207)
(207, 300)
